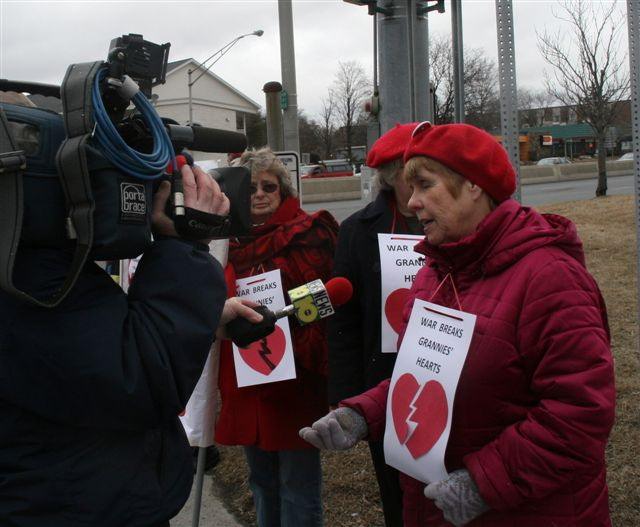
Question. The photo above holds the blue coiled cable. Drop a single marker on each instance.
(128, 160)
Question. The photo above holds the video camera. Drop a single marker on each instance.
(85, 180)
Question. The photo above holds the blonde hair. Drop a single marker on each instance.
(385, 175)
(264, 160)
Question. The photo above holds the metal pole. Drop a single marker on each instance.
(199, 483)
(508, 90)
(633, 17)
(398, 61)
(288, 67)
(411, 10)
(422, 100)
(219, 249)
(190, 100)
(458, 60)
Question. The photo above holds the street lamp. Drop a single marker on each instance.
(221, 52)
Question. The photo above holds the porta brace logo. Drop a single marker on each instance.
(133, 202)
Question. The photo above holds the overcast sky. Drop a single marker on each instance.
(39, 39)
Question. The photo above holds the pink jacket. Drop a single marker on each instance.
(535, 402)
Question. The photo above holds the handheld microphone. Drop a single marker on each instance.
(309, 302)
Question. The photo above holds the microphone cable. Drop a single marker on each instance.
(116, 150)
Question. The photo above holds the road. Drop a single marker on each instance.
(533, 194)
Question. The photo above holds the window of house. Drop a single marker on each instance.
(239, 121)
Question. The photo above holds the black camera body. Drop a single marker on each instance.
(69, 193)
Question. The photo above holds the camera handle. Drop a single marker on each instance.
(192, 224)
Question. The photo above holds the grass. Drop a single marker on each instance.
(607, 228)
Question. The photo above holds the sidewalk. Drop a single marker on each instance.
(212, 512)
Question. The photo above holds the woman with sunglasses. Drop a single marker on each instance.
(284, 471)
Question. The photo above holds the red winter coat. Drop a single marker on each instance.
(535, 402)
(270, 415)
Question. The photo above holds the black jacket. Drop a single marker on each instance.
(90, 391)
(355, 360)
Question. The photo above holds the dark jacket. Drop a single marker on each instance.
(535, 402)
(355, 360)
(90, 391)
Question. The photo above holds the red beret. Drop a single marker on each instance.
(469, 151)
(390, 146)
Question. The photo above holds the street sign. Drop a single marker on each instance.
(291, 160)
(284, 100)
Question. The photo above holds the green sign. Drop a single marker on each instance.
(284, 100)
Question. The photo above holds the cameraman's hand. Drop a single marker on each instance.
(237, 307)
(201, 192)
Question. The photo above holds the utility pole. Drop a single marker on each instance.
(403, 60)
(275, 136)
(403, 57)
(289, 96)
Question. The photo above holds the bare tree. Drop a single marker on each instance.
(532, 105)
(587, 72)
(480, 84)
(350, 87)
(310, 135)
(441, 78)
(327, 126)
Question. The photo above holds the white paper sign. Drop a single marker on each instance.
(399, 264)
(270, 359)
(422, 389)
(199, 417)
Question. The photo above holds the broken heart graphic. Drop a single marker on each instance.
(265, 354)
(429, 411)
(393, 307)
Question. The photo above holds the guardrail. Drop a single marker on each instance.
(348, 188)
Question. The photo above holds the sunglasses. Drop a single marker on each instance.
(269, 188)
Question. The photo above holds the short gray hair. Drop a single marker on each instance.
(385, 175)
(264, 160)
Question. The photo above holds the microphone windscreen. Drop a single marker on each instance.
(219, 141)
(339, 290)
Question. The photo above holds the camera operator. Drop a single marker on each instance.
(90, 391)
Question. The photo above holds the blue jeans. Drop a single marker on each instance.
(286, 487)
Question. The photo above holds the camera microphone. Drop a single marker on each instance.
(203, 139)
(309, 302)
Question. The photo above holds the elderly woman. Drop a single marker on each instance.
(285, 475)
(356, 360)
(535, 401)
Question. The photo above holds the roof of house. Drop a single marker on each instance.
(562, 131)
(177, 64)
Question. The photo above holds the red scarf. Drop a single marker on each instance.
(288, 224)
(301, 245)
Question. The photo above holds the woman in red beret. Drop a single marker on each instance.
(356, 360)
(534, 404)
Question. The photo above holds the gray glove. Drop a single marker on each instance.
(340, 429)
(457, 497)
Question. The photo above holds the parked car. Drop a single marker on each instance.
(330, 169)
(626, 157)
(546, 161)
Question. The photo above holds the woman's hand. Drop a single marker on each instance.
(340, 429)
(458, 498)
